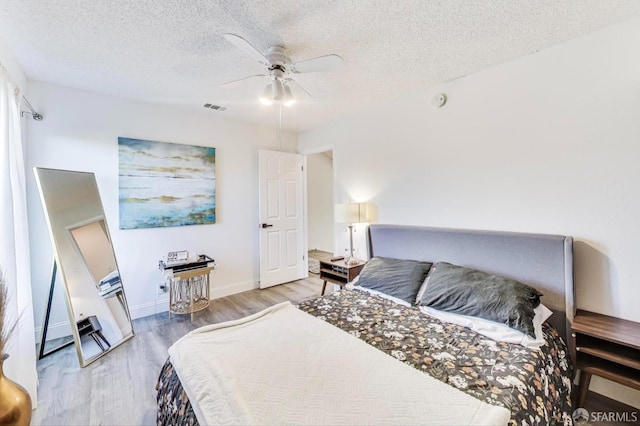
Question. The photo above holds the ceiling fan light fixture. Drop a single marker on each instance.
(289, 100)
(278, 90)
(265, 98)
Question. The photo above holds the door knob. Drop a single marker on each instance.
(265, 225)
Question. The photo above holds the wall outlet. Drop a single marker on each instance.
(162, 288)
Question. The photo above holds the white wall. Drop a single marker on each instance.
(320, 202)
(80, 132)
(548, 143)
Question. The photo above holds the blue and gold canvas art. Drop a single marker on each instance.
(166, 184)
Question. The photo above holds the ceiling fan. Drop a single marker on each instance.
(280, 70)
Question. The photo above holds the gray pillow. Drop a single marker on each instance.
(471, 292)
(399, 278)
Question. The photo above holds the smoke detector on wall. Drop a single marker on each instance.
(439, 100)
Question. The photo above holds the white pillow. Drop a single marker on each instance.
(495, 330)
(491, 329)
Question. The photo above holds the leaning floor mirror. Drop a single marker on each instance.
(98, 312)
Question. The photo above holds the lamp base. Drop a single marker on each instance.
(352, 261)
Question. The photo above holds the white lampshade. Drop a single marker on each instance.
(265, 98)
(354, 213)
(288, 97)
(278, 90)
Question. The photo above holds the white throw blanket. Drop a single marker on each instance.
(284, 366)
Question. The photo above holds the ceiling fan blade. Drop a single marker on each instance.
(235, 83)
(321, 63)
(246, 47)
(296, 84)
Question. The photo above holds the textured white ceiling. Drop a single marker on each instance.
(172, 51)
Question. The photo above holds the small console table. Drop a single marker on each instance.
(188, 285)
(607, 347)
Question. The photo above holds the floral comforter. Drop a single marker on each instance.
(534, 384)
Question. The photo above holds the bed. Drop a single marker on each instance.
(394, 364)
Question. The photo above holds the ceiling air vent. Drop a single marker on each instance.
(216, 107)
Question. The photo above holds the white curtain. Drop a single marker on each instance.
(14, 240)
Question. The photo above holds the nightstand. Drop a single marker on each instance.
(607, 347)
(338, 272)
(90, 326)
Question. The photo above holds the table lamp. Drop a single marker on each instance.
(351, 214)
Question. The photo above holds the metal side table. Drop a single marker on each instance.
(188, 285)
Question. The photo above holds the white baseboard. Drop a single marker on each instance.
(55, 331)
(615, 391)
(162, 305)
(227, 290)
(147, 309)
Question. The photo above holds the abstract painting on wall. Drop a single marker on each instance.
(166, 184)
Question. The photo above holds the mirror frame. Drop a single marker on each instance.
(42, 350)
(72, 321)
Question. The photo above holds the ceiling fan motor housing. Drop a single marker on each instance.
(277, 72)
(277, 55)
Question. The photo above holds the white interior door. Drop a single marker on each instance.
(282, 252)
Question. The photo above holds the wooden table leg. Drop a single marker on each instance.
(324, 286)
(583, 388)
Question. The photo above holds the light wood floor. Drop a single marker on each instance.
(320, 255)
(119, 388)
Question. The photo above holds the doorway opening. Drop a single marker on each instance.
(320, 201)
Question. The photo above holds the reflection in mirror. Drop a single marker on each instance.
(95, 297)
(92, 241)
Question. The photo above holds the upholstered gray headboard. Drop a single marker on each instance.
(544, 262)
